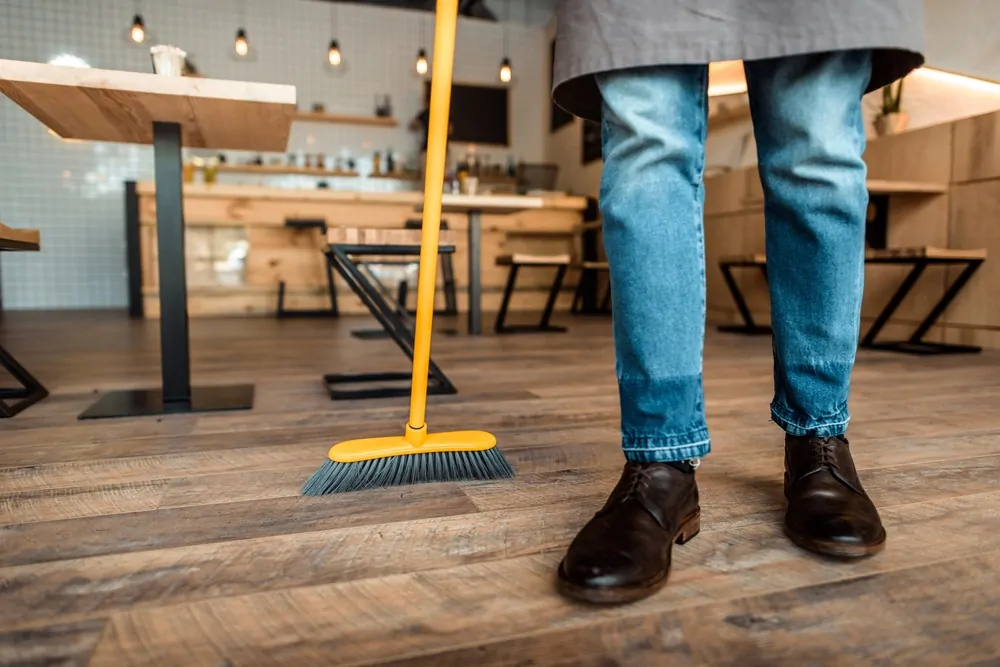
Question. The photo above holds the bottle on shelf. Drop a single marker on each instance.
(377, 163)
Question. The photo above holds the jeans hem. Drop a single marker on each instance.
(827, 429)
(663, 450)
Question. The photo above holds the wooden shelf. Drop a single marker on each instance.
(274, 170)
(315, 117)
(883, 187)
(397, 177)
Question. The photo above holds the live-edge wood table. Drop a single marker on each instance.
(132, 107)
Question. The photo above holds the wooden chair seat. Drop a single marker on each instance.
(381, 236)
(15, 240)
(925, 252)
(521, 259)
(594, 266)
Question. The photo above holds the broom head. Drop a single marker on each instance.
(394, 461)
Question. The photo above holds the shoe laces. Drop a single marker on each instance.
(823, 453)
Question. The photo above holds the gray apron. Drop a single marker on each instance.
(605, 35)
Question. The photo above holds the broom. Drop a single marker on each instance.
(418, 456)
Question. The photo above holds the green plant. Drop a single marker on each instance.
(892, 101)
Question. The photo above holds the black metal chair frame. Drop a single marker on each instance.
(749, 326)
(333, 310)
(915, 343)
(501, 327)
(588, 280)
(448, 285)
(340, 258)
(30, 392)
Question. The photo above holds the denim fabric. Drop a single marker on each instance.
(810, 136)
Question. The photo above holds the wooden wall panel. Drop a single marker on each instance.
(921, 155)
(975, 223)
(914, 220)
(976, 151)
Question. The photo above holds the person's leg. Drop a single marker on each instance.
(654, 123)
(651, 200)
(810, 138)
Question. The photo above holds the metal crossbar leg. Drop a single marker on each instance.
(388, 317)
(31, 390)
(915, 344)
(501, 327)
(749, 326)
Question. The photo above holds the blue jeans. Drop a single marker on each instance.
(810, 136)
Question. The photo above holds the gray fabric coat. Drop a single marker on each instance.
(605, 35)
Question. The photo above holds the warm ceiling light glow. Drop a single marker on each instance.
(726, 78)
(972, 83)
(334, 55)
(242, 46)
(505, 71)
(69, 60)
(138, 33)
(422, 62)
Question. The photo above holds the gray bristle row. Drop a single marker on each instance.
(333, 477)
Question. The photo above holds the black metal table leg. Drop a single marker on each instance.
(176, 394)
(749, 326)
(475, 273)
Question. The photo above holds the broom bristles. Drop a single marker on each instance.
(334, 477)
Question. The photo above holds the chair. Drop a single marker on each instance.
(30, 390)
(515, 262)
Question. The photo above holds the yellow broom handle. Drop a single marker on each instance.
(437, 142)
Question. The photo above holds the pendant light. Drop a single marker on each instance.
(333, 56)
(242, 46)
(505, 69)
(138, 32)
(421, 65)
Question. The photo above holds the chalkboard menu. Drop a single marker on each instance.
(479, 114)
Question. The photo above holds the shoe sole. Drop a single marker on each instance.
(686, 532)
(836, 549)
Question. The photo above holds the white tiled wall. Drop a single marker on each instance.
(73, 192)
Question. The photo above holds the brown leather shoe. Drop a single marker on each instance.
(623, 553)
(829, 512)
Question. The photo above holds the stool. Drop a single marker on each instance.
(515, 262)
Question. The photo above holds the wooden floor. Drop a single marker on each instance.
(183, 540)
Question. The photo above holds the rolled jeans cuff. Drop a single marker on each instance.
(826, 427)
(664, 449)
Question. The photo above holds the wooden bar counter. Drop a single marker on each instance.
(239, 248)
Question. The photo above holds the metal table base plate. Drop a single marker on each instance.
(149, 402)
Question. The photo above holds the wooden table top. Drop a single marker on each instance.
(492, 204)
(110, 105)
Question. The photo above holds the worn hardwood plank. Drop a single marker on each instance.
(374, 620)
(62, 645)
(141, 531)
(76, 502)
(903, 624)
